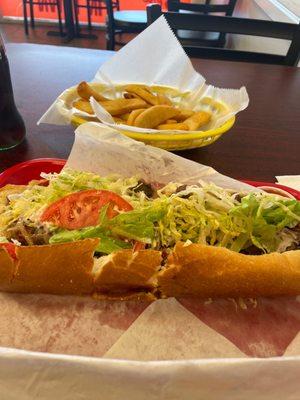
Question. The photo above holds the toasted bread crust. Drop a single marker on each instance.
(55, 269)
(207, 271)
(7, 269)
(191, 270)
(128, 270)
(67, 268)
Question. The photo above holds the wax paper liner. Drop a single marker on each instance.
(292, 181)
(194, 335)
(154, 57)
(27, 375)
(102, 150)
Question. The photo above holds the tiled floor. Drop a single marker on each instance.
(15, 33)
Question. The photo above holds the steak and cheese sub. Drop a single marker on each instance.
(122, 238)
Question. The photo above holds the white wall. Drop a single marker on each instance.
(292, 5)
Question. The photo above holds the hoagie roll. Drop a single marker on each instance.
(206, 271)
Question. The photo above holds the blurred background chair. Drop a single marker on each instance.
(52, 4)
(211, 39)
(232, 25)
(96, 6)
(119, 22)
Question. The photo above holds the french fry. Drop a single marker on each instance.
(122, 106)
(91, 119)
(118, 120)
(83, 105)
(154, 116)
(143, 92)
(125, 116)
(184, 114)
(197, 120)
(180, 126)
(130, 96)
(142, 108)
(162, 99)
(85, 91)
(133, 115)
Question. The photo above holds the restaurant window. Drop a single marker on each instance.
(291, 5)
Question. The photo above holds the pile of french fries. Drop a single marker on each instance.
(142, 108)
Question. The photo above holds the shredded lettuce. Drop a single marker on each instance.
(207, 214)
(138, 224)
(214, 216)
(106, 245)
(264, 217)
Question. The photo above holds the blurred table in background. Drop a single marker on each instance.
(264, 142)
(70, 29)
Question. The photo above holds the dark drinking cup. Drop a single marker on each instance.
(12, 128)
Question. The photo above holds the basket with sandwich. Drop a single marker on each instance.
(132, 235)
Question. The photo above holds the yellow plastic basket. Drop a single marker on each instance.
(191, 140)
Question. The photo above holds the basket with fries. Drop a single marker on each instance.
(150, 92)
(157, 115)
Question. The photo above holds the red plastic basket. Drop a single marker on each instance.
(21, 174)
(291, 191)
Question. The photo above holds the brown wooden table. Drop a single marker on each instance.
(264, 142)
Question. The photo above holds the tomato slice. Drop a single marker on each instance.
(10, 248)
(81, 209)
(138, 246)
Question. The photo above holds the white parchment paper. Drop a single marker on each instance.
(149, 336)
(292, 181)
(27, 375)
(102, 150)
(154, 57)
